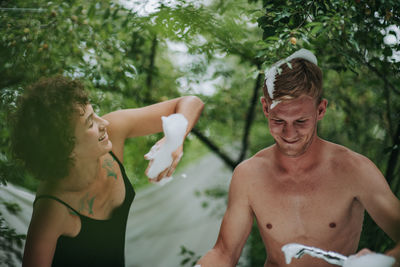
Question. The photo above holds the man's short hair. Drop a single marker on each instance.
(300, 78)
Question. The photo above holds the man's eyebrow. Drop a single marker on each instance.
(89, 118)
(274, 117)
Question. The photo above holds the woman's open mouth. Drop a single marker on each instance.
(104, 136)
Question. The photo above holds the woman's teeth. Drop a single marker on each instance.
(102, 137)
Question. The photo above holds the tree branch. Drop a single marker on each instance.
(230, 162)
(250, 117)
(381, 75)
(388, 108)
(149, 78)
(394, 156)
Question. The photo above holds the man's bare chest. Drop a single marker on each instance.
(305, 211)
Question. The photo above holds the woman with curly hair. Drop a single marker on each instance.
(83, 199)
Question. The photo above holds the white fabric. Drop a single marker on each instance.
(162, 218)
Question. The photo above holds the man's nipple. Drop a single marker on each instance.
(332, 225)
(269, 226)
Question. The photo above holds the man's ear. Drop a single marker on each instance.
(322, 108)
(265, 105)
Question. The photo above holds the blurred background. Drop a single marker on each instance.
(135, 53)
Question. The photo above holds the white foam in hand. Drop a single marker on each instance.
(294, 250)
(174, 127)
(369, 260)
(290, 251)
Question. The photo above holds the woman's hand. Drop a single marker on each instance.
(168, 171)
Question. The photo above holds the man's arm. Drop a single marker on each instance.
(380, 202)
(235, 226)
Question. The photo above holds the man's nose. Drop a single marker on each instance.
(289, 132)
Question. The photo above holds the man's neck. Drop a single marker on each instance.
(301, 163)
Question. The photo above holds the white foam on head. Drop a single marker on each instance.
(174, 127)
(275, 103)
(304, 54)
(270, 79)
(270, 73)
(369, 260)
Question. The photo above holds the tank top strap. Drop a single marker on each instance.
(58, 200)
(115, 158)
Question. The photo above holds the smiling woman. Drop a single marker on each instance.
(82, 202)
(91, 134)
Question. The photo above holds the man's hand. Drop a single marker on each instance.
(364, 251)
(366, 257)
(395, 253)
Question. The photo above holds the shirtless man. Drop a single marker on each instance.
(302, 189)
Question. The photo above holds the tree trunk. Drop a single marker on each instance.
(151, 71)
(250, 117)
(232, 163)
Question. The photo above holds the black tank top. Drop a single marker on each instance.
(99, 242)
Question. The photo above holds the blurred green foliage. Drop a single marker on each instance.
(10, 244)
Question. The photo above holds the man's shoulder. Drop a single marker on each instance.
(337, 150)
(262, 157)
(252, 167)
(345, 156)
